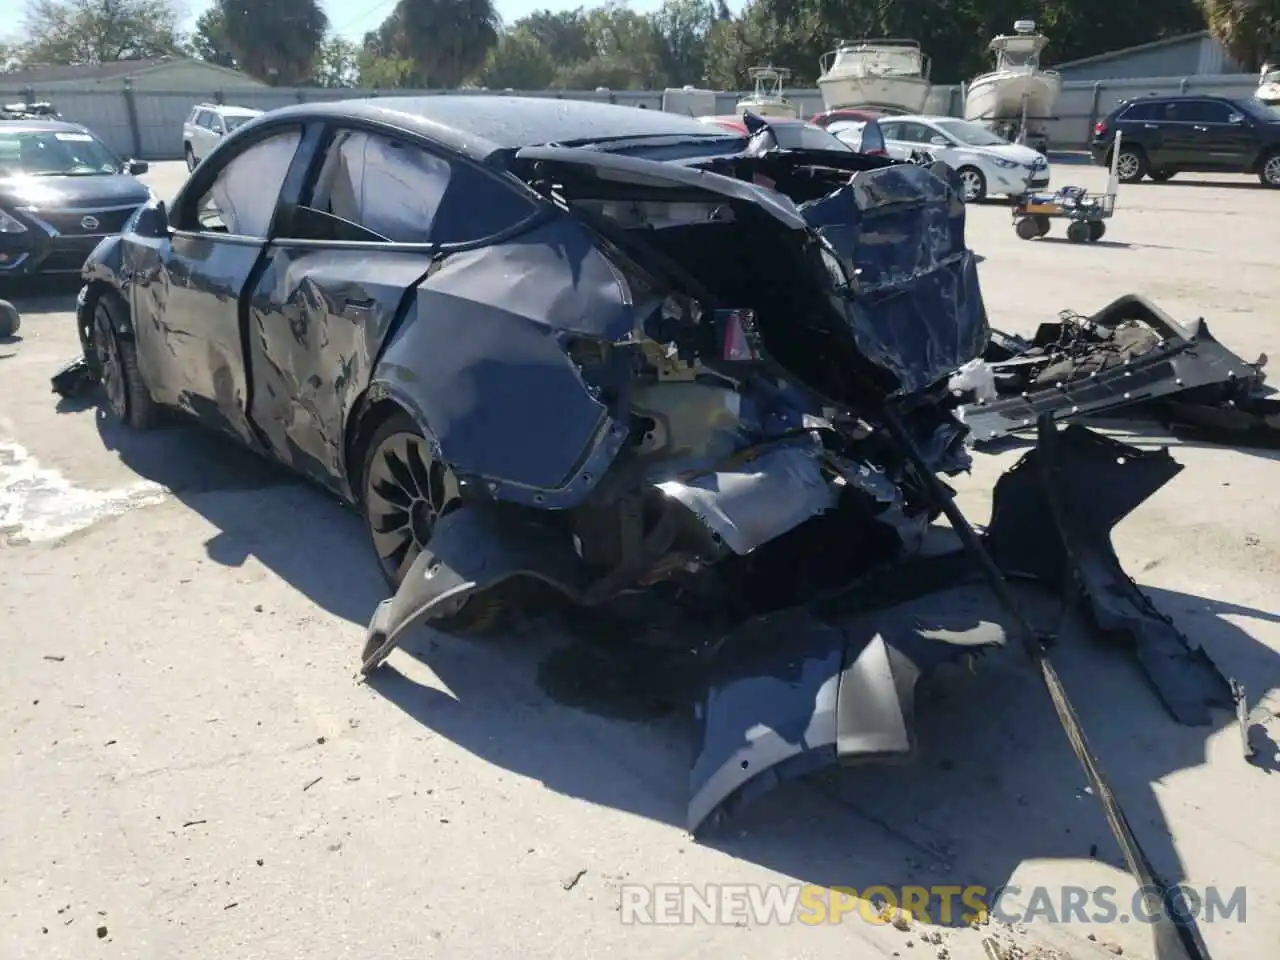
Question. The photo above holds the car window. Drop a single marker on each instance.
(1207, 111)
(406, 194)
(215, 123)
(891, 130)
(872, 139)
(915, 133)
(243, 198)
(840, 126)
(194, 116)
(1143, 111)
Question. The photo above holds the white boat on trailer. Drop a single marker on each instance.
(1017, 97)
(885, 74)
(767, 99)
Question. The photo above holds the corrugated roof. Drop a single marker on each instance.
(1140, 48)
(83, 71)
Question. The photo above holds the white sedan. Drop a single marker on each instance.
(985, 163)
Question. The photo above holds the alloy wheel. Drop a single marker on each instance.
(110, 370)
(1127, 166)
(970, 185)
(406, 490)
(1271, 170)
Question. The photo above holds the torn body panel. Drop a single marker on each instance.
(1087, 483)
(1128, 356)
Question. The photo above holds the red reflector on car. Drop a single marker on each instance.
(1100, 128)
(738, 335)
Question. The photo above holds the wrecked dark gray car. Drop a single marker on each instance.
(607, 350)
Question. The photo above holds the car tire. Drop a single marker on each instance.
(1269, 170)
(191, 158)
(1163, 175)
(1132, 165)
(398, 466)
(10, 320)
(973, 185)
(116, 360)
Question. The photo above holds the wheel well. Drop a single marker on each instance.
(367, 416)
(186, 145)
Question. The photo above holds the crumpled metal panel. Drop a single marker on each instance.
(760, 500)
(1083, 484)
(915, 308)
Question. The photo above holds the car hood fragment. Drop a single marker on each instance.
(1130, 359)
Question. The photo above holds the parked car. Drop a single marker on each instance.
(985, 164)
(207, 124)
(61, 191)
(1163, 136)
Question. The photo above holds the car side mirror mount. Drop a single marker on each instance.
(153, 220)
(938, 141)
(137, 167)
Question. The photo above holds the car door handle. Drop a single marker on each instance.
(1151, 126)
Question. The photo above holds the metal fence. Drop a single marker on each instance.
(147, 125)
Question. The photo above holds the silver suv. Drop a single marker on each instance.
(209, 123)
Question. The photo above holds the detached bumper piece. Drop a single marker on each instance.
(1130, 359)
(1087, 483)
(790, 693)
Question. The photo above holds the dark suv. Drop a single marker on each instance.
(1165, 135)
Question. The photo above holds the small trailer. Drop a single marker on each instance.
(1033, 213)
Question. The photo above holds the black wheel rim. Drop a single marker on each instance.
(110, 371)
(405, 492)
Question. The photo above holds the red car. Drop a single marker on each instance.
(828, 117)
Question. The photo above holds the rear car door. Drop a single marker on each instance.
(1141, 124)
(188, 315)
(376, 216)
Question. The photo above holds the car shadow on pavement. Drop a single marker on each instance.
(995, 783)
(42, 295)
(260, 510)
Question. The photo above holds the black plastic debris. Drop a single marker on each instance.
(1087, 483)
(1132, 360)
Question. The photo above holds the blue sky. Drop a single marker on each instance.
(349, 17)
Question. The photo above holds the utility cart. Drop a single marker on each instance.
(1033, 213)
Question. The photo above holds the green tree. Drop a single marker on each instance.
(97, 31)
(683, 27)
(447, 40)
(208, 41)
(626, 52)
(337, 63)
(276, 41)
(564, 34)
(519, 61)
(1249, 30)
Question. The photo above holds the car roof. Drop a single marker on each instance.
(480, 126)
(231, 110)
(40, 126)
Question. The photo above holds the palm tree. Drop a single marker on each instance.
(1249, 30)
(448, 39)
(274, 40)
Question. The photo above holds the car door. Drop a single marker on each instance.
(370, 224)
(1185, 144)
(1142, 124)
(895, 133)
(188, 314)
(1222, 139)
